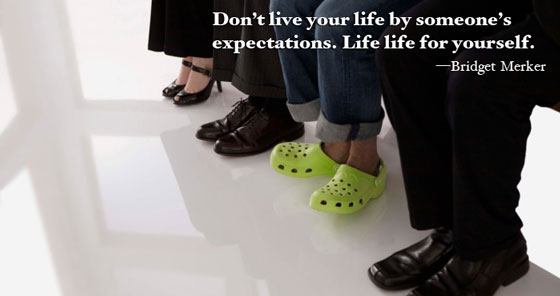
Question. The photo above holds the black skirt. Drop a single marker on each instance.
(181, 28)
(255, 72)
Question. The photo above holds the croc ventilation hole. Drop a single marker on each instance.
(294, 151)
(281, 167)
(337, 188)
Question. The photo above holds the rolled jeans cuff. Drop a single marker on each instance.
(329, 132)
(305, 112)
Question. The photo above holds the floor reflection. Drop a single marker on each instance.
(8, 109)
(137, 187)
(280, 238)
(24, 251)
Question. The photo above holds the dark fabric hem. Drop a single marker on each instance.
(428, 224)
(222, 74)
(255, 90)
(486, 252)
(181, 54)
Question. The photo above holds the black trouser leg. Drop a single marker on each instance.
(415, 91)
(490, 121)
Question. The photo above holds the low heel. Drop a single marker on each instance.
(517, 272)
(219, 84)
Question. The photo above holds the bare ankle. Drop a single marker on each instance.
(337, 151)
(368, 165)
(363, 156)
(184, 73)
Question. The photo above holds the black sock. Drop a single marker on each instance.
(277, 107)
(257, 101)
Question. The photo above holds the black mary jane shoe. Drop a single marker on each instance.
(185, 98)
(173, 89)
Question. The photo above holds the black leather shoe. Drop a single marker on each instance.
(242, 111)
(173, 89)
(461, 277)
(412, 266)
(185, 98)
(260, 133)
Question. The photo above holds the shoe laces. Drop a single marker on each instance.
(259, 116)
(240, 107)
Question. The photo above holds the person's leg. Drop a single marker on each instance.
(349, 84)
(258, 74)
(300, 70)
(490, 122)
(351, 115)
(184, 73)
(414, 91)
(197, 82)
(299, 66)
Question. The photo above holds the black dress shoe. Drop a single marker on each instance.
(461, 277)
(412, 266)
(242, 111)
(260, 133)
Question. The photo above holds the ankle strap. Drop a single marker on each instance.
(202, 71)
(187, 64)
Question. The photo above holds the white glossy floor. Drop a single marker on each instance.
(104, 190)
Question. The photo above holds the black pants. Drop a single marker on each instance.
(181, 28)
(462, 137)
(255, 72)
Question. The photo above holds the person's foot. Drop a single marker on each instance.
(337, 151)
(413, 265)
(260, 133)
(349, 190)
(302, 160)
(241, 112)
(179, 84)
(199, 78)
(462, 277)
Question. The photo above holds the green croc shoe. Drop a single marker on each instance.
(349, 190)
(302, 160)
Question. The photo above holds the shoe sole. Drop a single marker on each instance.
(288, 138)
(395, 288)
(206, 139)
(517, 272)
(194, 102)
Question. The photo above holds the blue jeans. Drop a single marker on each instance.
(337, 88)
